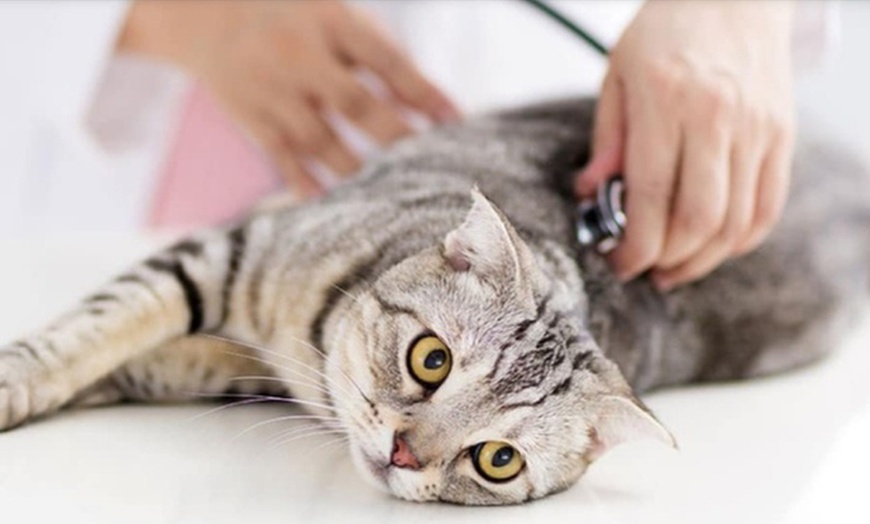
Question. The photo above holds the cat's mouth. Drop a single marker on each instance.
(383, 468)
(378, 468)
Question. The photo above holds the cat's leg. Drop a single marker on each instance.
(182, 290)
(188, 368)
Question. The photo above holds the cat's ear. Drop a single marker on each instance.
(622, 419)
(486, 243)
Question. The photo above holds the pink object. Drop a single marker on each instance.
(213, 172)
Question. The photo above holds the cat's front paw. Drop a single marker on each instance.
(10, 416)
(18, 378)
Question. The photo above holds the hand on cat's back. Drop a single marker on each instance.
(696, 111)
(278, 68)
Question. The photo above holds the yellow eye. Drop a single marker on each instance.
(429, 361)
(497, 461)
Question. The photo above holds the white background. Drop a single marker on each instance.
(788, 449)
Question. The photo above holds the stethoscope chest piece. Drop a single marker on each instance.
(601, 221)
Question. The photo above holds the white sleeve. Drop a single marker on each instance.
(66, 132)
(816, 32)
(62, 49)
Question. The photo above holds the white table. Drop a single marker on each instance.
(794, 448)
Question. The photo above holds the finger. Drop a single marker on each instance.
(607, 141)
(746, 161)
(344, 93)
(309, 133)
(772, 191)
(363, 44)
(267, 130)
(273, 141)
(299, 179)
(700, 202)
(652, 149)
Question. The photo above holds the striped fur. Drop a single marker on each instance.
(548, 349)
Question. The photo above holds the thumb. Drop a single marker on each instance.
(607, 139)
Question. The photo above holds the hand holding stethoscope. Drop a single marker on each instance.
(696, 112)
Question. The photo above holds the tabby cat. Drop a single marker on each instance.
(440, 310)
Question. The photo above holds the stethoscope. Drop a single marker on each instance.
(600, 221)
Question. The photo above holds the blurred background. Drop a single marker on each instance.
(835, 93)
(105, 131)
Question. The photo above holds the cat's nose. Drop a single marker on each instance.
(402, 456)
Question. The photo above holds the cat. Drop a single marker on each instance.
(440, 311)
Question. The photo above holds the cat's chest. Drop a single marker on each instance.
(629, 322)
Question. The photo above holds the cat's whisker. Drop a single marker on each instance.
(326, 377)
(285, 418)
(282, 356)
(264, 398)
(305, 432)
(354, 382)
(224, 406)
(280, 380)
(339, 440)
(354, 315)
(287, 432)
(310, 381)
(285, 368)
(294, 431)
(346, 293)
(268, 363)
(307, 345)
(347, 377)
(302, 402)
(309, 434)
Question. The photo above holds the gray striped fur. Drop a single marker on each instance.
(548, 349)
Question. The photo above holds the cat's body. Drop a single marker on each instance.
(526, 315)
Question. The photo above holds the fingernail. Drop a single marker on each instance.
(621, 274)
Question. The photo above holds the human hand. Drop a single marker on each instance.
(278, 67)
(696, 111)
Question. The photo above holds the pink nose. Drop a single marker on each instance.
(402, 456)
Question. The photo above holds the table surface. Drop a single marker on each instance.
(791, 448)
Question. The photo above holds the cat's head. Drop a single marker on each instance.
(481, 384)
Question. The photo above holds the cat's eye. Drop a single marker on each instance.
(429, 361)
(497, 461)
